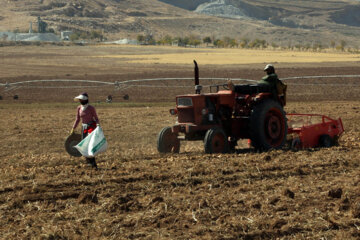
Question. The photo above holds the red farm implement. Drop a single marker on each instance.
(313, 130)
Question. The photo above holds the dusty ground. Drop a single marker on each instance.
(140, 194)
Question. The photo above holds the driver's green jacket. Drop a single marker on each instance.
(271, 80)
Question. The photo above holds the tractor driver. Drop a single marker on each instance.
(271, 79)
(270, 83)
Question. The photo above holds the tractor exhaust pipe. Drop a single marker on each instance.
(197, 86)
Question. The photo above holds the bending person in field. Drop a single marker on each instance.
(89, 120)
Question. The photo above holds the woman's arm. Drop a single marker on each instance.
(77, 120)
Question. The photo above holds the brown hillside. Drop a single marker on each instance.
(283, 22)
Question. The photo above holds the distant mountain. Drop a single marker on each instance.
(222, 8)
(289, 13)
(282, 22)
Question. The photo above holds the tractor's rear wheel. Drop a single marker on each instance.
(216, 141)
(167, 141)
(325, 141)
(268, 125)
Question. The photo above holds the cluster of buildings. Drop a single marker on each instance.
(44, 35)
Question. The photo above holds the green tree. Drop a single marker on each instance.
(207, 40)
(332, 43)
(290, 44)
(218, 43)
(140, 38)
(226, 41)
(167, 40)
(274, 45)
(342, 44)
(317, 46)
(96, 35)
(194, 40)
(177, 40)
(244, 42)
(356, 49)
(258, 43)
(74, 37)
(186, 41)
(149, 39)
(233, 43)
(84, 35)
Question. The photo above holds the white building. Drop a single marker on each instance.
(65, 35)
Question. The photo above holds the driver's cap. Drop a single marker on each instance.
(269, 66)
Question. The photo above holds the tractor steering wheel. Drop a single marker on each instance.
(225, 86)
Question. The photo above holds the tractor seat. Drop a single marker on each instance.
(252, 88)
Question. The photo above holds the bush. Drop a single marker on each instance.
(274, 45)
(140, 38)
(74, 37)
(167, 40)
(244, 42)
(230, 42)
(218, 43)
(207, 40)
(96, 35)
(258, 43)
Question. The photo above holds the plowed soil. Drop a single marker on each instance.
(138, 193)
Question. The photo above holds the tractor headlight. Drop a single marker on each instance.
(173, 111)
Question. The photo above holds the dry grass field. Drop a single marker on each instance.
(235, 56)
(138, 193)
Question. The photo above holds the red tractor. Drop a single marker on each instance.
(220, 119)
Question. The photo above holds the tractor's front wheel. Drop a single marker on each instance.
(268, 125)
(216, 141)
(167, 141)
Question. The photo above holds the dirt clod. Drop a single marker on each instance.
(274, 200)
(301, 172)
(267, 158)
(335, 193)
(158, 199)
(356, 211)
(345, 205)
(87, 198)
(289, 193)
(257, 205)
(279, 223)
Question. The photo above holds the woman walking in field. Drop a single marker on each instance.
(89, 120)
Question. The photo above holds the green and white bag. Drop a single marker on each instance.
(93, 144)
